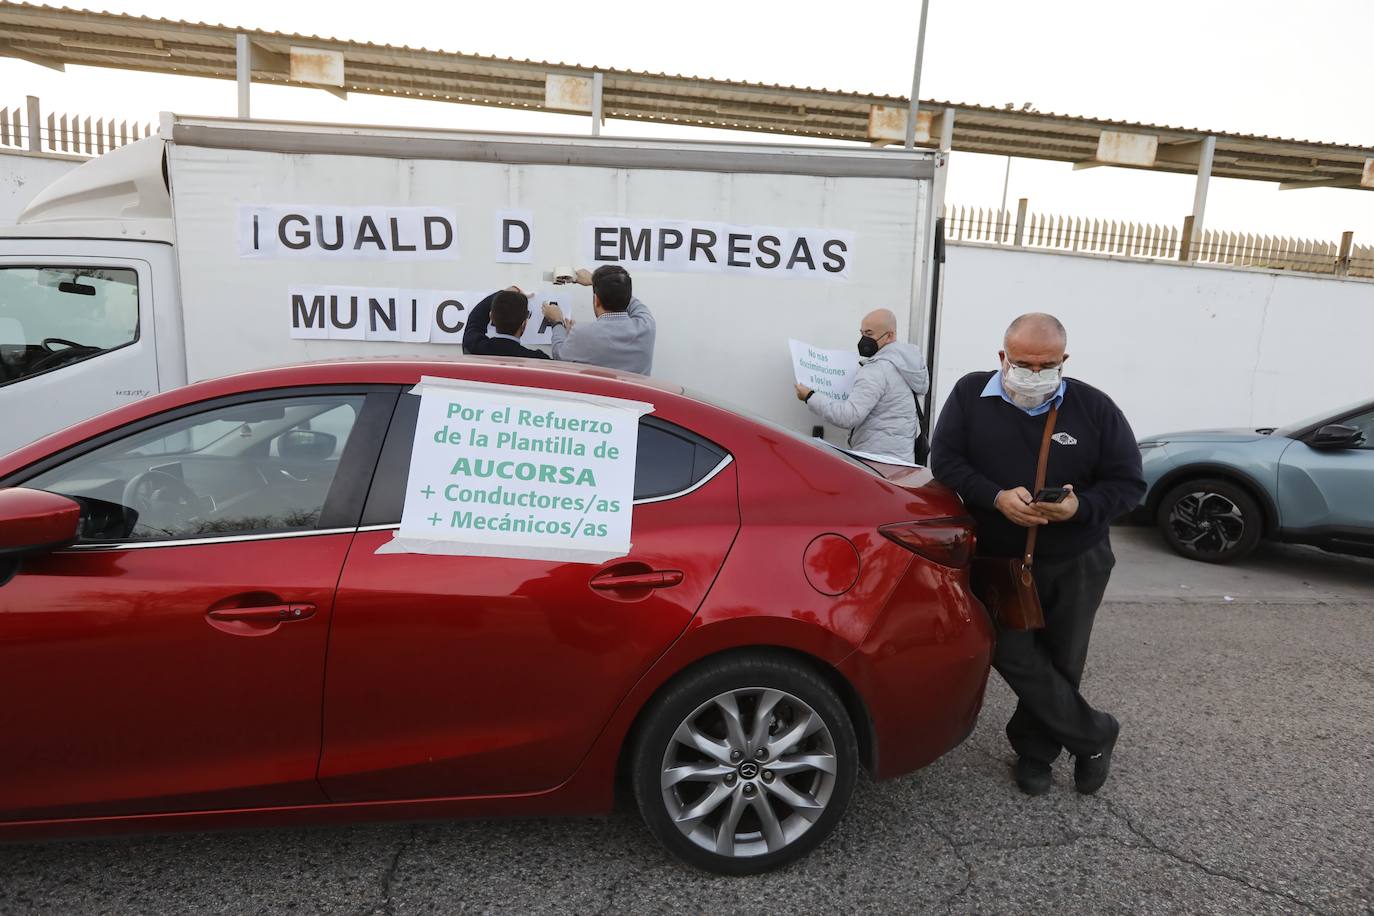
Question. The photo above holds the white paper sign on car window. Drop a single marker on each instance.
(829, 373)
(524, 473)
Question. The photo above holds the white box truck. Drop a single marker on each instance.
(218, 246)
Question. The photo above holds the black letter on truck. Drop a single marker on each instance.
(352, 311)
(801, 252)
(376, 309)
(367, 232)
(703, 247)
(506, 226)
(769, 256)
(300, 241)
(338, 233)
(733, 248)
(834, 260)
(664, 246)
(439, 316)
(430, 243)
(396, 238)
(637, 244)
(603, 243)
(303, 316)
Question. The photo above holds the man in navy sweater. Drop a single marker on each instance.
(507, 311)
(985, 446)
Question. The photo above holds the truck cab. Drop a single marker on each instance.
(89, 312)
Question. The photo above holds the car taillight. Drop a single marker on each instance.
(947, 541)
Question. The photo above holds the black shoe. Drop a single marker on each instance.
(1032, 776)
(1089, 773)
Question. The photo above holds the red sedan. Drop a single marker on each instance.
(197, 631)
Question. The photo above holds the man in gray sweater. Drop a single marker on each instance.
(621, 337)
(880, 412)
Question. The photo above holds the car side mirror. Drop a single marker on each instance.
(1336, 435)
(35, 521)
(307, 445)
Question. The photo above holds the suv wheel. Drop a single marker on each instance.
(1214, 521)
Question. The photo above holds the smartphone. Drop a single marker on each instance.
(1051, 494)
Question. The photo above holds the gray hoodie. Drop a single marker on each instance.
(881, 410)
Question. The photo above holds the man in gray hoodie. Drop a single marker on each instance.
(880, 412)
(621, 337)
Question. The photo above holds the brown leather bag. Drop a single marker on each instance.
(1006, 587)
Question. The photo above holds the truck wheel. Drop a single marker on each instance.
(745, 765)
(1211, 520)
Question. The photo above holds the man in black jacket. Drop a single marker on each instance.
(507, 312)
(986, 447)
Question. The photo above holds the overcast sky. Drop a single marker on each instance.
(1256, 66)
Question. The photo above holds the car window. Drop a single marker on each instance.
(1365, 423)
(55, 316)
(668, 460)
(251, 468)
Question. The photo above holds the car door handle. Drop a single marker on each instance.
(271, 613)
(659, 578)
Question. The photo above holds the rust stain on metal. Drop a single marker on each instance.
(568, 93)
(319, 68)
(888, 122)
(1122, 148)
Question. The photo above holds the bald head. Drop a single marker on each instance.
(1035, 341)
(1036, 330)
(879, 322)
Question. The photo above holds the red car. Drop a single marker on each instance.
(196, 629)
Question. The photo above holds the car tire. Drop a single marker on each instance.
(1212, 520)
(688, 730)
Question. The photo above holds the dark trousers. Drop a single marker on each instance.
(1043, 667)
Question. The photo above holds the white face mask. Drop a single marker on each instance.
(1027, 388)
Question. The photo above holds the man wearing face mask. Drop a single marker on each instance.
(986, 446)
(880, 412)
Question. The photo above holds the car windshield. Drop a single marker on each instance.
(828, 447)
(1326, 416)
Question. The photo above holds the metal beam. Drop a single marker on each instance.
(1204, 176)
(9, 49)
(915, 101)
(243, 71)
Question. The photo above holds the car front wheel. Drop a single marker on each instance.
(1214, 521)
(746, 764)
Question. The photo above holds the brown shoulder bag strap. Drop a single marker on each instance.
(1040, 479)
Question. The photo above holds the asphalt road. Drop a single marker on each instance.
(1243, 783)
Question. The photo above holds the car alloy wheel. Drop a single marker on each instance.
(748, 772)
(1207, 522)
(1212, 520)
(745, 763)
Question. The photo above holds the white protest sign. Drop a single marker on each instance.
(524, 473)
(700, 246)
(309, 232)
(829, 373)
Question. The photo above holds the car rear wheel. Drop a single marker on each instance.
(746, 764)
(1214, 521)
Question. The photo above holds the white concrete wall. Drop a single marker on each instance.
(23, 175)
(1176, 347)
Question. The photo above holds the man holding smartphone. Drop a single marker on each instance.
(986, 447)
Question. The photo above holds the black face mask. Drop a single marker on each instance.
(868, 347)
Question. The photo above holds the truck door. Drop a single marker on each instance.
(76, 339)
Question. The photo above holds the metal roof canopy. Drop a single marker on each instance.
(57, 36)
